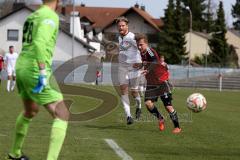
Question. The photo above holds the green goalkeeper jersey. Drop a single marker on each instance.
(39, 38)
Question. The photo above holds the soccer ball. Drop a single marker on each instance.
(196, 102)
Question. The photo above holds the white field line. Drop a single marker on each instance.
(3, 135)
(118, 150)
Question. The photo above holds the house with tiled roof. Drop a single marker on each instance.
(11, 26)
(199, 43)
(102, 19)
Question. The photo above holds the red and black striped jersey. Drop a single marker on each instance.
(1, 62)
(157, 70)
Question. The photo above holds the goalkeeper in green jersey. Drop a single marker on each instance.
(33, 70)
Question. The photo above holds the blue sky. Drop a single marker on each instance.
(154, 7)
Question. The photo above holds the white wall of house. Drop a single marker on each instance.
(14, 21)
(234, 40)
(136, 25)
(199, 45)
(63, 50)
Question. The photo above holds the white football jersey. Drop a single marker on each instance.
(10, 60)
(128, 50)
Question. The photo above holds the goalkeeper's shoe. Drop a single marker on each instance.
(23, 157)
(161, 124)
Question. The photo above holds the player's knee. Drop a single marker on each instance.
(123, 88)
(31, 113)
(61, 111)
(149, 104)
(134, 93)
(170, 109)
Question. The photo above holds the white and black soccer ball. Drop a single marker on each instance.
(196, 102)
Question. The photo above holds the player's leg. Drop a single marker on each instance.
(149, 103)
(21, 129)
(9, 80)
(13, 80)
(137, 97)
(134, 86)
(142, 85)
(60, 113)
(126, 102)
(151, 96)
(123, 80)
(153, 109)
(167, 101)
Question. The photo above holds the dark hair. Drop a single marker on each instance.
(11, 47)
(140, 37)
(122, 19)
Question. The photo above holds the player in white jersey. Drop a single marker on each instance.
(128, 72)
(10, 62)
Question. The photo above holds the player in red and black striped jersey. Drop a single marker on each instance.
(1, 66)
(158, 85)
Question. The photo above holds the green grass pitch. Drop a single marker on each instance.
(211, 134)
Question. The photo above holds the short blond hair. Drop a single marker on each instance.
(140, 37)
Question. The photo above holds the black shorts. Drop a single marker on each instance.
(163, 91)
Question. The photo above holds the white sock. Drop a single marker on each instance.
(8, 85)
(126, 104)
(138, 101)
(13, 85)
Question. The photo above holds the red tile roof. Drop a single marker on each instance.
(146, 16)
(105, 16)
(158, 22)
(102, 17)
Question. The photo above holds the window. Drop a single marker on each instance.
(12, 35)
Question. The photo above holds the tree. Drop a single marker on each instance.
(233, 57)
(197, 7)
(166, 41)
(209, 18)
(236, 14)
(218, 44)
(172, 39)
(179, 35)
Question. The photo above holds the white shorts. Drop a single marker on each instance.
(11, 72)
(129, 75)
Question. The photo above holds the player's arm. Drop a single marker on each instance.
(152, 61)
(2, 64)
(5, 62)
(138, 65)
(45, 31)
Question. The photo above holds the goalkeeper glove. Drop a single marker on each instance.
(42, 82)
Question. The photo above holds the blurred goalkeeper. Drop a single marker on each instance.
(157, 76)
(33, 70)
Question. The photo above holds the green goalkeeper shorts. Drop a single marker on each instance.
(27, 79)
